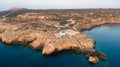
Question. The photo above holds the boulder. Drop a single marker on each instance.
(93, 59)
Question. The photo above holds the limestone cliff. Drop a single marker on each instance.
(41, 30)
(47, 42)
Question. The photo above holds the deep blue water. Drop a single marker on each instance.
(106, 36)
(108, 41)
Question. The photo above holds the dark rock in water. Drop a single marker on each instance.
(101, 56)
(95, 55)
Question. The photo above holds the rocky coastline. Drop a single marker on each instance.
(43, 33)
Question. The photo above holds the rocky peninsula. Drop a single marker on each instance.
(56, 30)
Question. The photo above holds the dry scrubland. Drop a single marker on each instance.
(40, 29)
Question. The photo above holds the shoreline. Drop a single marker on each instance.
(42, 33)
(98, 26)
(85, 48)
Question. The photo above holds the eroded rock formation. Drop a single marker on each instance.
(40, 30)
(47, 42)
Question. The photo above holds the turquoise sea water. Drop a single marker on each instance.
(106, 36)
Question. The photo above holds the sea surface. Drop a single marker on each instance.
(107, 40)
